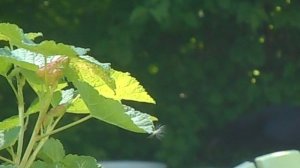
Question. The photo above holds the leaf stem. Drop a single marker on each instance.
(6, 160)
(43, 110)
(12, 86)
(66, 126)
(10, 150)
(20, 98)
(35, 152)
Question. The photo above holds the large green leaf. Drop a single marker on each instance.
(112, 111)
(75, 161)
(52, 151)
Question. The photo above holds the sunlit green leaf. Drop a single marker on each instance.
(52, 151)
(128, 88)
(75, 161)
(124, 86)
(112, 111)
(11, 33)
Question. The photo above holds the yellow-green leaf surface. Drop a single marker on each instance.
(96, 76)
(112, 111)
(113, 84)
(128, 88)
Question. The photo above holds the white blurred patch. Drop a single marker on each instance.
(159, 132)
(2, 140)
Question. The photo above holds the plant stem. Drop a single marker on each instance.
(66, 126)
(10, 150)
(12, 87)
(20, 98)
(43, 110)
(6, 160)
(35, 152)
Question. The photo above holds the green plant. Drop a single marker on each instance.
(65, 80)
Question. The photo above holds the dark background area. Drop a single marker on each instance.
(224, 73)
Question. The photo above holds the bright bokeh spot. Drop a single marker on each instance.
(256, 72)
(153, 69)
(261, 40)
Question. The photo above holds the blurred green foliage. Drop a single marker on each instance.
(206, 63)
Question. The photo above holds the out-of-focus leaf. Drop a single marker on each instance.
(8, 137)
(41, 164)
(52, 151)
(75, 161)
(139, 15)
(9, 131)
(7, 166)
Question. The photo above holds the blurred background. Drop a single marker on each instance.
(224, 73)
